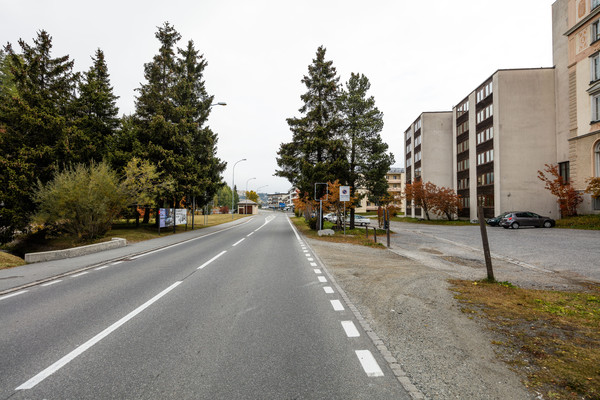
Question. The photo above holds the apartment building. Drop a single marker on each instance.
(396, 179)
(428, 152)
(504, 131)
(576, 54)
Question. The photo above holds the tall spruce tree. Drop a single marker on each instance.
(368, 159)
(316, 152)
(156, 112)
(35, 126)
(97, 112)
(193, 108)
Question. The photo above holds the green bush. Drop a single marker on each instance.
(83, 201)
(313, 223)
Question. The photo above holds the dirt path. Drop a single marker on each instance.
(443, 352)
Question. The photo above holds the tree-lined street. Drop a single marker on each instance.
(244, 313)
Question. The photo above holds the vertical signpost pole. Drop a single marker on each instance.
(344, 196)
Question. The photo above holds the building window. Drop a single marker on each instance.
(595, 3)
(486, 200)
(485, 91)
(485, 113)
(418, 124)
(418, 156)
(485, 179)
(408, 134)
(595, 67)
(485, 135)
(462, 165)
(485, 157)
(417, 140)
(462, 146)
(595, 30)
(464, 202)
(462, 109)
(463, 183)
(563, 169)
(417, 172)
(597, 159)
(462, 128)
(596, 107)
(408, 162)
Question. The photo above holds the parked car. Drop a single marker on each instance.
(517, 219)
(496, 220)
(331, 217)
(359, 220)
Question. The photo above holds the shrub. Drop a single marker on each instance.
(82, 201)
(313, 223)
(224, 210)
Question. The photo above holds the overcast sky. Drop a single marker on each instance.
(418, 55)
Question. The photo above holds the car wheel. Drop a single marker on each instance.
(547, 224)
(515, 225)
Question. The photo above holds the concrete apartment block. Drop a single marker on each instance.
(428, 151)
(503, 133)
(576, 53)
(396, 180)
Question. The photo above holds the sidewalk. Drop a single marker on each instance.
(13, 279)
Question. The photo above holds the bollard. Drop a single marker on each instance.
(375, 234)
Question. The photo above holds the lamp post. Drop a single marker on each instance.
(218, 104)
(233, 185)
(247, 186)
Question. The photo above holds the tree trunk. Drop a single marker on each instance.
(146, 215)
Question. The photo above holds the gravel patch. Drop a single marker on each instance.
(409, 306)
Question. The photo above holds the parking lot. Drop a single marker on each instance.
(565, 253)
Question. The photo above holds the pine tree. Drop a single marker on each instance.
(156, 111)
(368, 160)
(193, 103)
(97, 113)
(316, 152)
(35, 125)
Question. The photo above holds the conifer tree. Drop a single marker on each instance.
(367, 158)
(316, 152)
(35, 126)
(97, 112)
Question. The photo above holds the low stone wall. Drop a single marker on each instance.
(74, 252)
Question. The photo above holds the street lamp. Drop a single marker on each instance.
(247, 186)
(233, 185)
(218, 104)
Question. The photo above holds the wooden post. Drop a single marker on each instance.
(388, 228)
(375, 234)
(486, 245)
(367, 231)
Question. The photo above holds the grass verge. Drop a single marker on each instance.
(353, 236)
(122, 229)
(590, 222)
(551, 338)
(432, 222)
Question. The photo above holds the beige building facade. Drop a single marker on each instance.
(396, 179)
(503, 133)
(428, 153)
(576, 53)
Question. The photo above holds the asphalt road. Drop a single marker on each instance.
(568, 251)
(246, 313)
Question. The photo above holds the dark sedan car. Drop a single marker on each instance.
(517, 219)
(496, 220)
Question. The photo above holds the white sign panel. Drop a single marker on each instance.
(344, 193)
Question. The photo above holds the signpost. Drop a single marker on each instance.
(344, 196)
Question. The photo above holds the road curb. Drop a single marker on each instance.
(392, 362)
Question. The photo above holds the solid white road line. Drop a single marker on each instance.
(79, 274)
(212, 259)
(328, 289)
(322, 279)
(13, 294)
(294, 229)
(337, 305)
(350, 329)
(369, 363)
(250, 234)
(81, 349)
(238, 242)
(52, 283)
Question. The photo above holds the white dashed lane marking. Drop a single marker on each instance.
(350, 329)
(328, 289)
(322, 279)
(13, 294)
(317, 271)
(81, 273)
(52, 283)
(369, 363)
(337, 305)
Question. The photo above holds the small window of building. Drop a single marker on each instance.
(595, 31)
(595, 107)
(595, 67)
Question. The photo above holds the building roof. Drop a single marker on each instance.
(246, 202)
